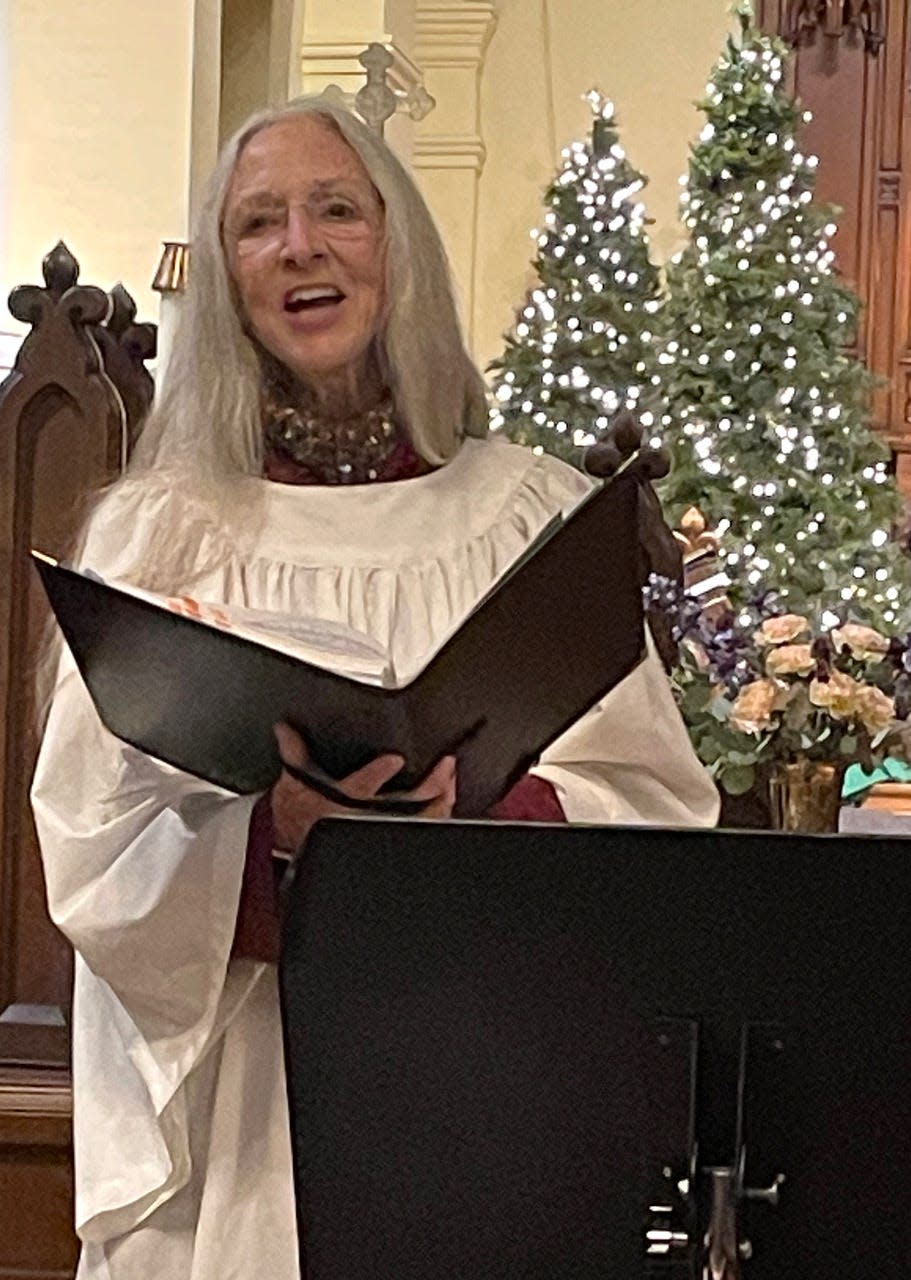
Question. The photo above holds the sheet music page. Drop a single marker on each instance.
(332, 645)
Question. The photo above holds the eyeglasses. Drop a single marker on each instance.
(262, 222)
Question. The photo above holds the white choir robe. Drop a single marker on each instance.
(183, 1160)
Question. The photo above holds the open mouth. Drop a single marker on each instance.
(314, 298)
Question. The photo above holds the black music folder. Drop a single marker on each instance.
(561, 627)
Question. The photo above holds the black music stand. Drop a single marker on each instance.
(481, 1086)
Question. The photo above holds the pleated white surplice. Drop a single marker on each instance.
(182, 1149)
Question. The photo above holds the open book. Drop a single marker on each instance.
(200, 685)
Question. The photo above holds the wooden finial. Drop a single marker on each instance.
(694, 537)
(60, 270)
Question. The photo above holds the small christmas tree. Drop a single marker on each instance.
(584, 330)
(765, 408)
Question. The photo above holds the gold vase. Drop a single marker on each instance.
(806, 796)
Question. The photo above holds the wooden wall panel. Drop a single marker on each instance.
(859, 91)
(901, 408)
(840, 94)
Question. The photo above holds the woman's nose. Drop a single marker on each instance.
(303, 240)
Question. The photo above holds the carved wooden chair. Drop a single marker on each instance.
(69, 413)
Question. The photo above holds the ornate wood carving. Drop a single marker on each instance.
(835, 18)
(69, 411)
(890, 186)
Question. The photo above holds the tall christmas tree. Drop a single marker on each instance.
(765, 406)
(581, 347)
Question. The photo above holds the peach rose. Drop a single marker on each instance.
(862, 641)
(874, 709)
(789, 660)
(753, 707)
(838, 695)
(782, 630)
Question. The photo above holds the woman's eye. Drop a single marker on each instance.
(257, 222)
(339, 210)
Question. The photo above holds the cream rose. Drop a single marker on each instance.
(838, 695)
(862, 641)
(789, 660)
(753, 707)
(874, 709)
(782, 630)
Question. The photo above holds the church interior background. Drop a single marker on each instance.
(111, 116)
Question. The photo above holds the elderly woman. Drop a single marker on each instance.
(318, 447)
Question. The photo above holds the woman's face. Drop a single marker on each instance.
(304, 240)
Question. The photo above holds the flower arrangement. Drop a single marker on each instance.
(761, 688)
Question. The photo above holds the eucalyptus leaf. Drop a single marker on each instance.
(798, 710)
(738, 780)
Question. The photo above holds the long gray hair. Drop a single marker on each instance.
(207, 417)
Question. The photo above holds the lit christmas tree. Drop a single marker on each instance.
(765, 409)
(583, 332)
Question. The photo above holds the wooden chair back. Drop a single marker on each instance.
(69, 413)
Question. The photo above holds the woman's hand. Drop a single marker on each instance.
(295, 807)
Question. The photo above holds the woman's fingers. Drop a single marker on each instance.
(439, 782)
(444, 802)
(291, 746)
(364, 783)
(437, 789)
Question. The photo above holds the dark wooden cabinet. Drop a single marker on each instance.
(852, 69)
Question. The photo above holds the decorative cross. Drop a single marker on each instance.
(376, 101)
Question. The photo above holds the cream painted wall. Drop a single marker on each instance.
(652, 57)
(98, 145)
(5, 105)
